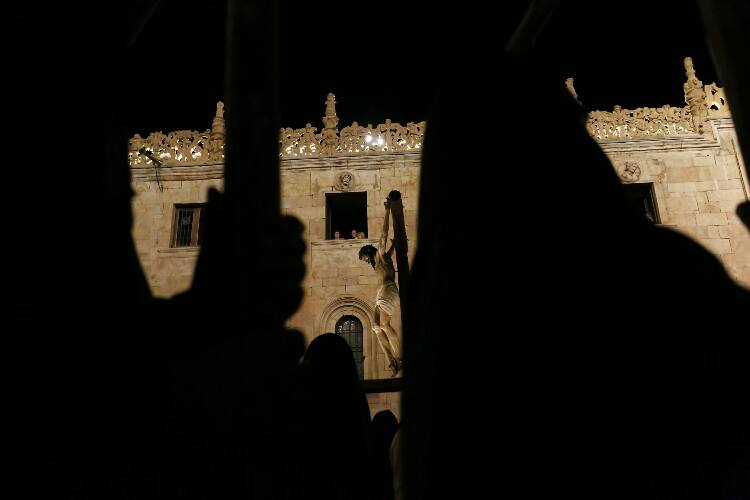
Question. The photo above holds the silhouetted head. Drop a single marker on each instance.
(354, 233)
(329, 359)
(367, 253)
(337, 235)
(384, 426)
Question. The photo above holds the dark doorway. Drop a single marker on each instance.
(642, 200)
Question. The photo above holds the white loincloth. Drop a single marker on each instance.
(387, 298)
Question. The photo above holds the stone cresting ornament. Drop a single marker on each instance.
(197, 147)
(716, 101)
(631, 172)
(180, 146)
(641, 122)
(703, 102)
(695, 96)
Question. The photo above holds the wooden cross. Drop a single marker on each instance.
(402, 248)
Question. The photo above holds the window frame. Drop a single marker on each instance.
(360, 363)
(650, 187)
(329, 229)
(195, 231)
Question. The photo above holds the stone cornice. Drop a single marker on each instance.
(708, 140)
(358, 161)
(178, 172)
(215, 170)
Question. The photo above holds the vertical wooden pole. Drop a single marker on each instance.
(252, 183)
(402, 249)
(250, 367)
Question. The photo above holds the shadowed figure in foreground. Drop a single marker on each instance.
(332, 426)
(384, 427)
(114, 394)
(600, 356)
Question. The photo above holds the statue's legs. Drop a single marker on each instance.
(392, 339)
(385, 324)
(384, 332)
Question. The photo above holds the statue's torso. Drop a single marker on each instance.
(384, 268)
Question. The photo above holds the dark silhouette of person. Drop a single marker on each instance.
(112, 393)
(384, 427)
(333, 458)
(585, 352)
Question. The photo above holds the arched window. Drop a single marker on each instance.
(350, 328)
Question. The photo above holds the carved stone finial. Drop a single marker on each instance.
(218, 134)
(695, 96)
(571, 89)
(689, 68)
(329, 134)
(330, 120)
(218, 130)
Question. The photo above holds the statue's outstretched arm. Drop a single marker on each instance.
(384, 234)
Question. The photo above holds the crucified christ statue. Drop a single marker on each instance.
(388, 297)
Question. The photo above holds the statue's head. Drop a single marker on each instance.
(367, 253)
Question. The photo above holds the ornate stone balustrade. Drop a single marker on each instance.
(183, 146)
(703, 103)
(180, 146)
(383, 138)
(190, 146)
(642, 122)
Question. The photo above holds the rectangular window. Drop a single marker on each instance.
(346, 216)
(642, 200)
(186, 225)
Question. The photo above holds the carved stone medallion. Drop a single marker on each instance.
(345, 181)
(631, 172)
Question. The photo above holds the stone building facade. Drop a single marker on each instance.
(682, 164)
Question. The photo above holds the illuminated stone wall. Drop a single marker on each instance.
(169, 270)
(689, 153)
(337, 283)
(698, 181)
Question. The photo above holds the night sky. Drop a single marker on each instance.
(384, 60)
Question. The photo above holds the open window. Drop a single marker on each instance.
(346, 213)
(642, 200)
